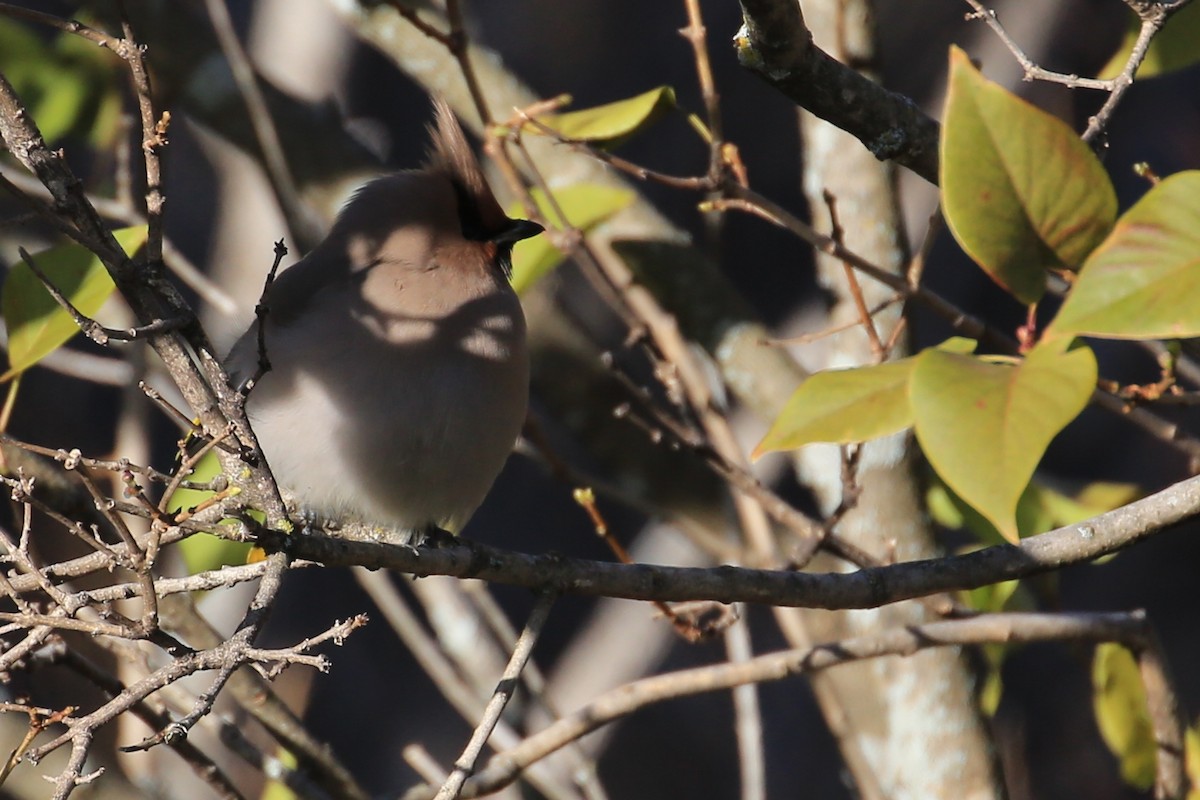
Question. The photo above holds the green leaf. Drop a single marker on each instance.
(1020, 191)
(844, 406)
(612, 123)
(993, 597)
(69, 85)
(984, 426)
(1143, 282)
(1121, 714)
(36, 324)
(1093, 500)
(1173, 47)
(206, 469)
(203, 551)
(98, 72)
(1039, 509)
(585, 205)
(1004, 596)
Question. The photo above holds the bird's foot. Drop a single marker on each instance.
(433, 537)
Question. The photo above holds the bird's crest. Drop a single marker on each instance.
(451, 155)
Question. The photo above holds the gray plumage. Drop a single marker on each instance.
(400, 375)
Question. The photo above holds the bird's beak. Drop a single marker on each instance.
(516, 230)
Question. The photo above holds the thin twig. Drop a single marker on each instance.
(188, 465)
(261, 311)
(751, 202)
(809, 338)
(702, 182)
(747, 713)
(696, 33)
(1130, 630)
(864, 316)
(92, 329)
(582, 767)
(299, 218)
(442, 671)
(1032, 70)
(120, 210)
(465, 765)
(460, 48)
(686, 625)
(204, 767)
(1153, 15)
(73, 26)
(154, 138)
(236, 650)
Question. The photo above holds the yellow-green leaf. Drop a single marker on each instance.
(612, 123)
(844, 406)
(1143, 282)
(848, 405)
(37, 325)
(1121, 714)
(951, 511)
(69, 85)
(1191, 762)
(1173, 47)
(992, 597)
(1003, 596)
(585, 205)
(1020, 191)
(984, 426)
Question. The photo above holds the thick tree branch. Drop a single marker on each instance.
(866, 588)
(774, 44)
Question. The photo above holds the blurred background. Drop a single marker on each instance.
(222, 217)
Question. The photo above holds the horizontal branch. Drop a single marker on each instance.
(865, 588)
(1131, 630)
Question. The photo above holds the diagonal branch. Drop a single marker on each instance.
(775, 44)
(1131, 630)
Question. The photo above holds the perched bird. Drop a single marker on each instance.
(399, 375)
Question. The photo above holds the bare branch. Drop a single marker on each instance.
(301, 221)
(751, 202)
(774, 44)
(1129, 629)
(120, 210)
(1153, 15)
(747, 714)
(441, 670)
(465, 765)
(1032, 70)
(866, 588)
